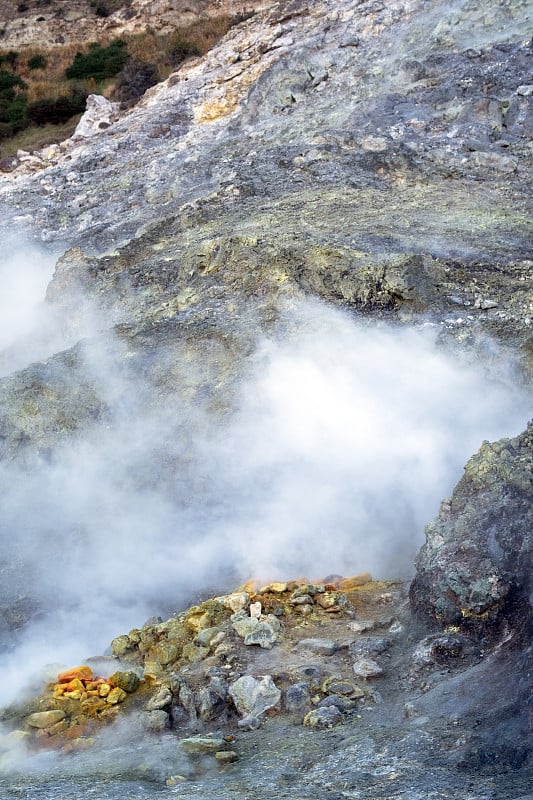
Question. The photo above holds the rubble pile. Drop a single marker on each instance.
(309, 651)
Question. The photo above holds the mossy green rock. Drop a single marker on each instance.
(129, 680)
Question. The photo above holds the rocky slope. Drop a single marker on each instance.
(376, 156)
(44, 24)
(292, 689)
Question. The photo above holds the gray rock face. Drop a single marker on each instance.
(488, 521)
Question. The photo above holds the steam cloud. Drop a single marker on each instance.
(345, 439)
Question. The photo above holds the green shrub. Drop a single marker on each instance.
(11, 58)
(9, 83)
(17, 114)
(13, 103)
(100, 62)
(54, 111)
(104, 9)
(37, 62)
(136, 77)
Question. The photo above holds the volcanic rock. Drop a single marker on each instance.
(375, 156)
(252, 697)
(323, 717)
(323, 646)
(489, 521)
(202, 744)
(99, 115)
(129, 680)
(45, 719)
(366, 668)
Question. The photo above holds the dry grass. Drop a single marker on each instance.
(156, 48)
(37, 137)
(51, 81)
(150, 46)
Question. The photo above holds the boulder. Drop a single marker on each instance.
(83, 673)
(45, 719)
(253, 696)
(155, 721)
(297, 697)
(323, 717)
(100, 113)
(366, 668)
(324, 647)
(197, 745)
(476, 567)
(160, 700)
(129, 680)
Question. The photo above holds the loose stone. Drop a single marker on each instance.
(305, 609)
(243, 624)
(300, 600)
(361, 625)
(277, 587)
(226, 756)
(253, 696)
(45, 719)
(83, 673)
(116, 695)
(323, 717)
(206, 636)
(249, 723)
(262, 635)
(155, 721)
(237, 601)
(344, 704)
(211, 704)
(120, 646)
(367, 668)
(129, 680)
(195, 745)
(162, 699)
(370, 646)
(342, 687)
(297, 697)
(324, 647)
(255, 610)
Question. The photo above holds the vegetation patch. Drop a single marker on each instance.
(43, 92)
(99, 62)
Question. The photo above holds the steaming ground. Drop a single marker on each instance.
(344, 440)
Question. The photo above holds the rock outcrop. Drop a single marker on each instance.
(476, 568)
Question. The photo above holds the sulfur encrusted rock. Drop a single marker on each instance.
(45, 719)
(128, 680)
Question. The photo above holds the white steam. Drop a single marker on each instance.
(24, 275)
(345, 439)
